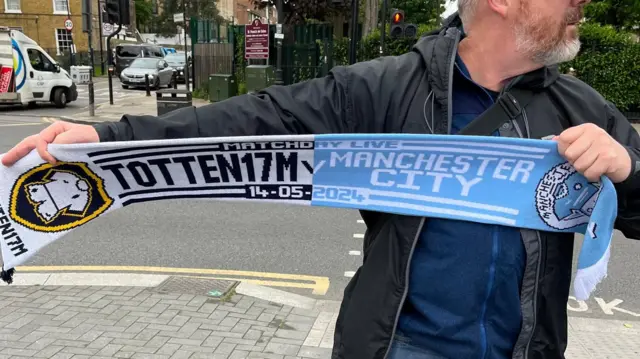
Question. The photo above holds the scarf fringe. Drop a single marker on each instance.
(588, 278)
(7, 276)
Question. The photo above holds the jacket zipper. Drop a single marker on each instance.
(452, 62)
(492, 273)
(415, 239)
(535, 296)
(406, 287)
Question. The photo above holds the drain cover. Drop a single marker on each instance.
(199, 286)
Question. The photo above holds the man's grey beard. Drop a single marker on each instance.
(564, 51)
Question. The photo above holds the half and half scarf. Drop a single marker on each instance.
(521, 183)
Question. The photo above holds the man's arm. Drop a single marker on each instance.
(628, 221)
(350, 99)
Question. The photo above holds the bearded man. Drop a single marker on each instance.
(434, 288)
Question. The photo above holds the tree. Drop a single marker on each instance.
(302, 11)
(621, 14)
(144, 13)
(203, 9)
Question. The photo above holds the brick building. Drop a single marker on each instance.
(43, 21)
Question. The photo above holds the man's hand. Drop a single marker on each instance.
(594, 153)
(58, 132)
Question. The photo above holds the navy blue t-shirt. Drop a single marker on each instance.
(464, 288)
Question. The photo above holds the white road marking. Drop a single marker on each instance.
(361, 221)
(607, 307)
(358, 235)
(355, 253)
(349, 274)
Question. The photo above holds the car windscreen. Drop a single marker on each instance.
(146, 63)
(128, 51)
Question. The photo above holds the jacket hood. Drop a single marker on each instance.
(439, 47)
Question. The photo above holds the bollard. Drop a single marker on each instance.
(92, 108)
(175, 81)
(146, 84)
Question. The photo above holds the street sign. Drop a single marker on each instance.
(107, 29)
(256, 44)
(179, 17)
(68, 24)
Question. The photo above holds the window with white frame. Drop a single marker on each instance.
(63, 41)
(61, 7)
(12, 6)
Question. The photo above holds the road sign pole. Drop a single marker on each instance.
(383, 26)
(110, 60)
(88, 24)
(354, 32)
(280, 12)
(186, 55)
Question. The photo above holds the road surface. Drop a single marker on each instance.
(101, 96)
(284, 244)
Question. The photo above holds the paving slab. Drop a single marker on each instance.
(69, 315)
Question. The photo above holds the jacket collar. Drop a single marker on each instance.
(439, 47)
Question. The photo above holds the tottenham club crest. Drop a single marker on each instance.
(565, 201)
(53, 198)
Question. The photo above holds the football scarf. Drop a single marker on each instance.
(504, 181)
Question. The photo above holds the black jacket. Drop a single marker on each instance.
(389, 95)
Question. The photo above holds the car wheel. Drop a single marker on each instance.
(60, 97)
(125, 87)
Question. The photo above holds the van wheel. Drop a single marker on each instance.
(60, 98)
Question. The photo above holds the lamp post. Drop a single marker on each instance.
(354, 31)
(279, 36)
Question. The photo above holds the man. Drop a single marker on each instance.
(433, 288)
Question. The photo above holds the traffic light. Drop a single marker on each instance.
(112, 8)
(397, 24)
(399, 28)
(117, 12)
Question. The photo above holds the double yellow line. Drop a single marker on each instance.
(318, 285)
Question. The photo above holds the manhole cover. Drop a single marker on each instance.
(199, 286)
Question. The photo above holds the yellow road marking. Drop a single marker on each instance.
(319, 285)
(20, 124)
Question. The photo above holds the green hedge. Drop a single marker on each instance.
(609, 60)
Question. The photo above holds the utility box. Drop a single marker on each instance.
(80, 74)
(171, 99)
(221, 87)
(259, 77)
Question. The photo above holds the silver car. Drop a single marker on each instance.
(159, 71)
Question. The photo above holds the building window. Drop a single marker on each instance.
(63, 41)
(61, 7)
(12, 6)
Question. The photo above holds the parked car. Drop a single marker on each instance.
(177, 62)
(126, 53)
(159, 71)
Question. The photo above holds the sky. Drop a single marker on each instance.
(452, 6)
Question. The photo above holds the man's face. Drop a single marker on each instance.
(547, 30)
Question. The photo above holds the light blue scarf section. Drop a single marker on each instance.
(506, 181)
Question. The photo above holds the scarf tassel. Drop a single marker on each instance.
(7, 276)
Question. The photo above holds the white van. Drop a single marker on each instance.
(28, 74)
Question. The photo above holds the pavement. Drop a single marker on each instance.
(74, 315)
(134, 105)
(80, 107)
